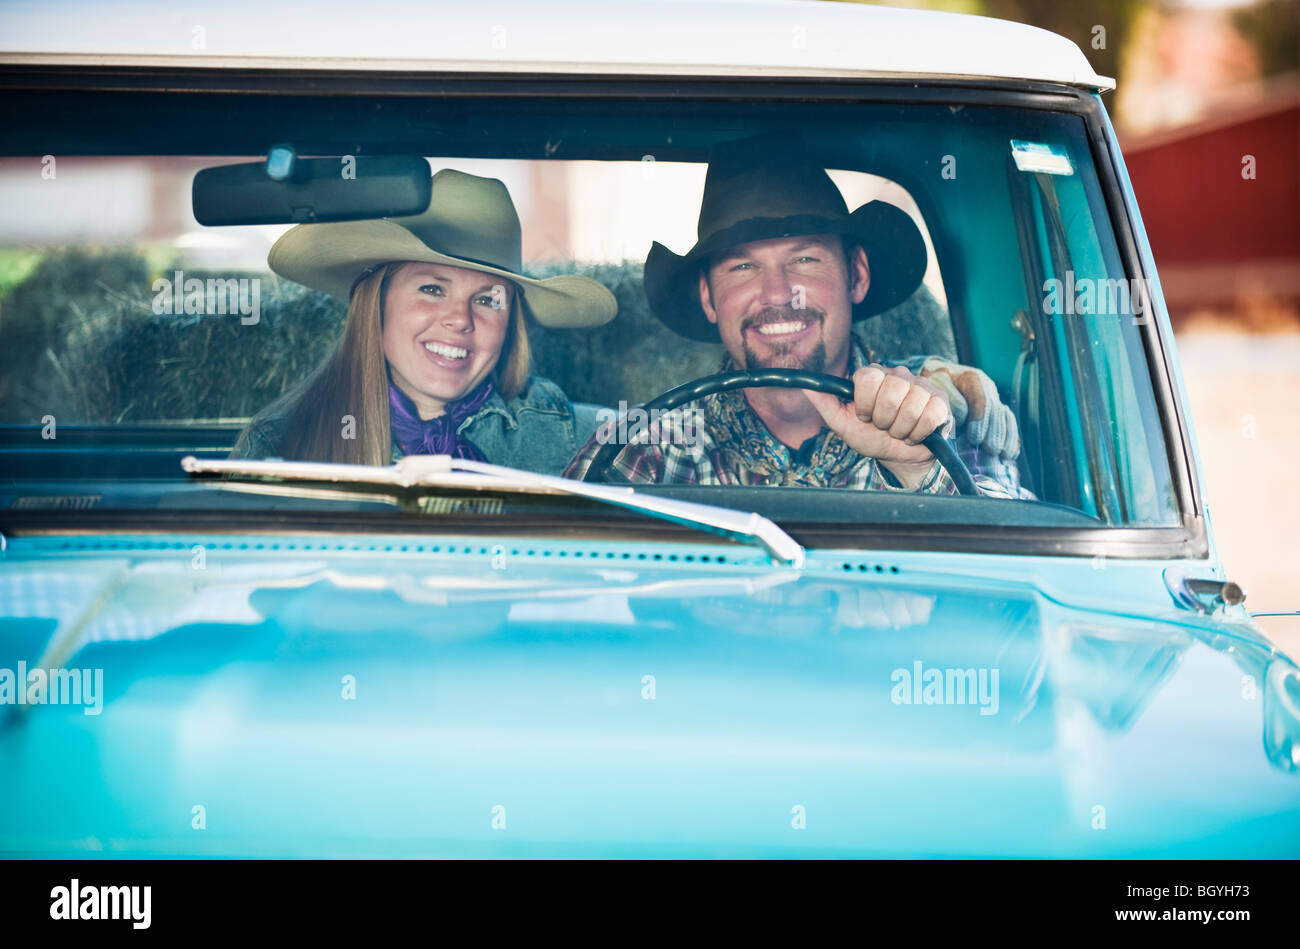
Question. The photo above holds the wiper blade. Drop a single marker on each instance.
(443, 471)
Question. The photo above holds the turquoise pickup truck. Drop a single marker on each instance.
(995, 627)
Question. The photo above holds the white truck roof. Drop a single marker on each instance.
(768, 38)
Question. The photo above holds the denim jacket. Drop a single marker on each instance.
(535, 431)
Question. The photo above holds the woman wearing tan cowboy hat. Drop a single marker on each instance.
(434, 357)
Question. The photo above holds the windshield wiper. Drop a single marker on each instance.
(443, 471)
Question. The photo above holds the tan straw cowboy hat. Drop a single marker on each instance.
(470, 222)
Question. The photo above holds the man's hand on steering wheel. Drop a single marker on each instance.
(897, 409)
(891, 412)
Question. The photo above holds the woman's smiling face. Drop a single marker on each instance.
(443, 331)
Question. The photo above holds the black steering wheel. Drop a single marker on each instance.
(782, 379)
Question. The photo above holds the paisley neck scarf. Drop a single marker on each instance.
(435, 436)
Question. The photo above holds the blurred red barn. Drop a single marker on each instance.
(1221, 239)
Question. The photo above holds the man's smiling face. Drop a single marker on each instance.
(786, 303)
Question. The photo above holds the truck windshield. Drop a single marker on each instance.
(971, 246)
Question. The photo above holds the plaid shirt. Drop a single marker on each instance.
(719, 440)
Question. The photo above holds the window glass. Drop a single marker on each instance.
(137, 335)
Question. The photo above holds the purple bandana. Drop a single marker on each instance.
(435, 436)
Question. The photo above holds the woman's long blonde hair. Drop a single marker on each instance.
(339, 413)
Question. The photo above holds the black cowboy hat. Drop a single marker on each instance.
(765, 187)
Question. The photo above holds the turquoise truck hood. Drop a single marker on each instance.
(401, 697)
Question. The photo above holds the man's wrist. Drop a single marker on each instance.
(912, 476)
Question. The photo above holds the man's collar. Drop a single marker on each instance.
(859, 354)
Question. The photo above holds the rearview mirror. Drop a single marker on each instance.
(308, 190)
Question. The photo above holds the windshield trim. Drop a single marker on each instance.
(1121, 543)
(453, 83)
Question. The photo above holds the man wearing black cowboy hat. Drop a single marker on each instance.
(780, 273)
